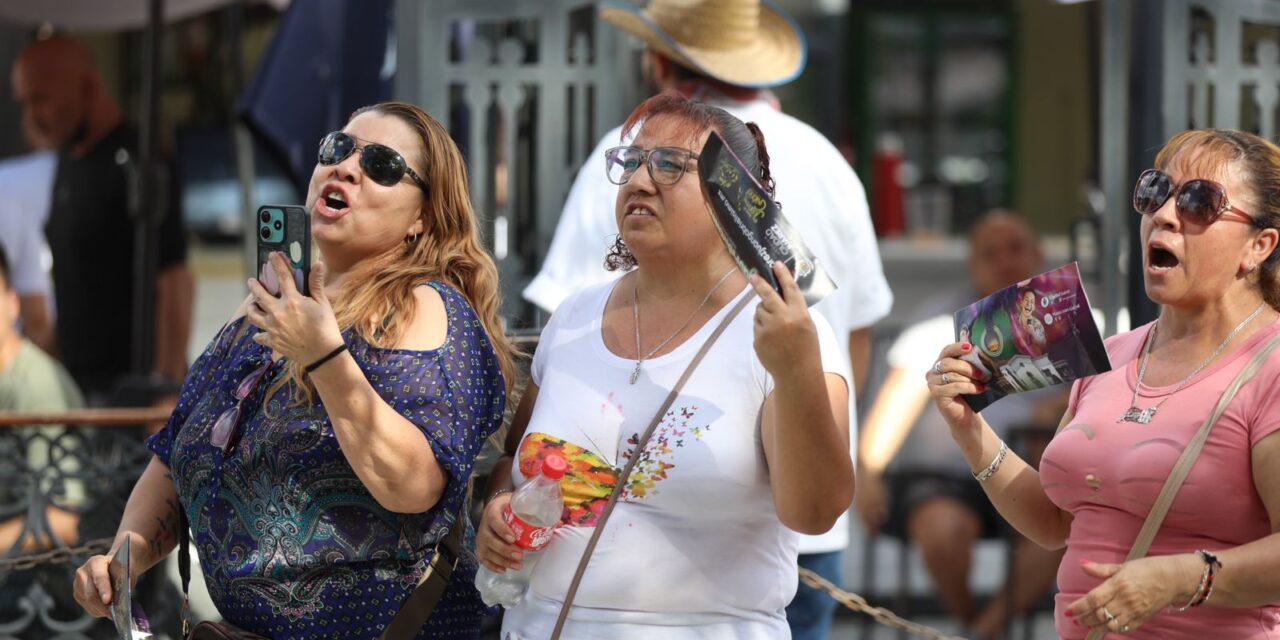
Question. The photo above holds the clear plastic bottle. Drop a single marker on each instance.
(532, 514)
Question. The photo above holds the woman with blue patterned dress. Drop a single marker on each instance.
(322, 445)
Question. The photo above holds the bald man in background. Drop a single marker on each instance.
(91, 235)
(90, 230)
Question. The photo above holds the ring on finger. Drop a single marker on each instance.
(937, 367)
(946, 378)
(1124, 628)
(1110, 617)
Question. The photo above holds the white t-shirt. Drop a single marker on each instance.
(27, 184)
(820, 195)
(694, 548)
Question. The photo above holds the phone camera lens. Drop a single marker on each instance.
(278, 225)
(266, 234)
(265, 216)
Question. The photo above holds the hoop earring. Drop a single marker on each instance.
(620, 257)
(413, 239)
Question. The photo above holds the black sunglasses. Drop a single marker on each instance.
(381, 163)
(1201, 202)
(666, 164)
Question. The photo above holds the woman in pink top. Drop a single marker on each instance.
(1209, 233)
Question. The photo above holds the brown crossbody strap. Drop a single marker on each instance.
(635, 455)
(1188, 459)
(417, 607)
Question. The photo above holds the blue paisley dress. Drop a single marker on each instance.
(291, 543)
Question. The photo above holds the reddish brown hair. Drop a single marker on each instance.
(693, 118)
(745, 139)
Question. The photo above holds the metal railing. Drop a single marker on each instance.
(64, 479)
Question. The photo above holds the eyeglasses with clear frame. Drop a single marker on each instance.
(666, 165)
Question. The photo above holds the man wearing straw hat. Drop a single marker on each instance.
(728, 53)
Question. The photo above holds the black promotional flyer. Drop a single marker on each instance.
(752, 224)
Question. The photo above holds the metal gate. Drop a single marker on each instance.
(526, 88)
(1169, 65)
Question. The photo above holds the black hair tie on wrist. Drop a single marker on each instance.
(325, 358)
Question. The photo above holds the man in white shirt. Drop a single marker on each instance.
(27, 182)
(913, 483)
(820, 194)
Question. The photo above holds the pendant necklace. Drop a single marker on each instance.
(635, 311)
(1144, 416)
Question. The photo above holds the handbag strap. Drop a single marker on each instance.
(417, 608)
(1188, 459)
(413, 612)
(631, 462)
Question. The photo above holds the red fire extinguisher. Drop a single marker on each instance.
(886, 190)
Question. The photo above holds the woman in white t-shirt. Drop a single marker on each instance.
(702, 542)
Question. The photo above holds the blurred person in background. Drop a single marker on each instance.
(31, 382)
(91, 234)
(911, 484)
(90, 229)
(728, 54)
(27, 182)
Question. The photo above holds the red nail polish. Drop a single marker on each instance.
(1070, 614)
(1085, 562)
(965, 346)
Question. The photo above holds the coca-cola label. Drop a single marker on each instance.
(528, 536)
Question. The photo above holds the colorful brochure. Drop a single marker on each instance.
(1031, 335)
(752, 224)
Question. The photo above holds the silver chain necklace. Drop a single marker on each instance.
(1144, 416)
(635, 311)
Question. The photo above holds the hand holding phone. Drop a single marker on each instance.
(286, 229)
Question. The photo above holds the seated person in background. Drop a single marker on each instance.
(938, 506)
(30, 381)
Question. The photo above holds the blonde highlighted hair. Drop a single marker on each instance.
(1211, 153)
(377, 299)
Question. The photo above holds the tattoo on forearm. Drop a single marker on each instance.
(166, 529)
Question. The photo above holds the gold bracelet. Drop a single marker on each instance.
(985, 474)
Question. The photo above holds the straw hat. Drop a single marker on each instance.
(747, 43)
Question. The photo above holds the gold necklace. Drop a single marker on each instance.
(1144, 416)
(635, 312)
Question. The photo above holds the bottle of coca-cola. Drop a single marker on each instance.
(532, 514)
